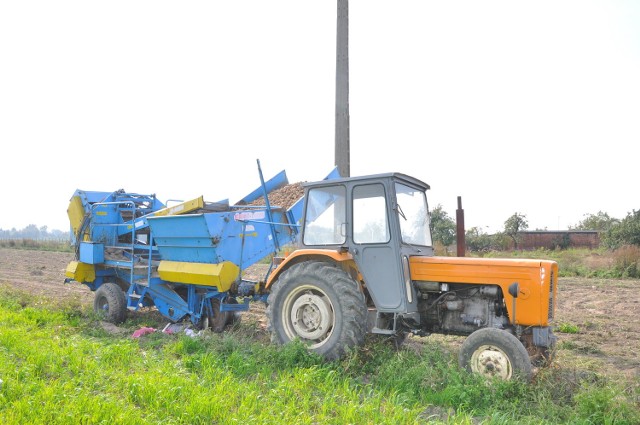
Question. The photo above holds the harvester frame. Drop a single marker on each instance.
(186, 260)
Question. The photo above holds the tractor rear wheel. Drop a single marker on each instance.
(493, 352)
(320, 305)
(110, 303)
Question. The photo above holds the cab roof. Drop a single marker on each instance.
(372, 177)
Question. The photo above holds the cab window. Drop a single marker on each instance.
(370, 223)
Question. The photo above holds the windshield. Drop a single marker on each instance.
(414, 217)
(326, 216)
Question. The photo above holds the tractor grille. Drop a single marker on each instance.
(551, 292)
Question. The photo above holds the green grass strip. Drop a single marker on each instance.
(58, 366)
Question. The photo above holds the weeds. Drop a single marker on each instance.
(567, 328)
(58, 367)
(622, 263)
(38, 245)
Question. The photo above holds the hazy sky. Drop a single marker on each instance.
(529, 107)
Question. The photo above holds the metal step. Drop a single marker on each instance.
(377, 330)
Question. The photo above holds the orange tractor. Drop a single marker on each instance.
(365, 264)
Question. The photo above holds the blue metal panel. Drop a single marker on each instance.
(242, 237)
(185, 238)
(276, 182)
(334, 174)
(168, 302)
(247, 238)
(91, 253)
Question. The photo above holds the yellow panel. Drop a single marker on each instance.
(220, 275)
(182, 208)
(75, 211)
(81, 272)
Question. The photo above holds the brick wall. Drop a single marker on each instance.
(563, 239)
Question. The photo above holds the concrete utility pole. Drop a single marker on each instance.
(342, 153)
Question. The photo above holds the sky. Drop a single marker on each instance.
(513, 106)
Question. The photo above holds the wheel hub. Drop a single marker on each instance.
(311, 316)
(104, 305)
(491, 361)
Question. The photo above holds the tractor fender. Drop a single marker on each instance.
(344, 259)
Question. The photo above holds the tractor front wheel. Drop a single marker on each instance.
(110, 303)
(320, 305)
(493, 352)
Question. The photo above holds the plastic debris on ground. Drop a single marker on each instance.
(169, 329)
(142, 331)
(174, 328)
(192, 333)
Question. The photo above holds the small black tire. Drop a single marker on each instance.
(219, 320)
(320, 305)
(492, 352)
(234, 316)
(110, 303)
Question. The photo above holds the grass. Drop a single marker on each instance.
(59, 366)
(38, 245)
(567, 328)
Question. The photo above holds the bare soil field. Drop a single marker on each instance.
(604, 313)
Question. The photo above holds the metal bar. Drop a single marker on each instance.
(270, 222)
(266, 200)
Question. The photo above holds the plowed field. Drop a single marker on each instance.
(604, 314)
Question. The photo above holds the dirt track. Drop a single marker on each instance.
(606, 312)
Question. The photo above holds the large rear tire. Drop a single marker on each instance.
(320, 305)
(110, 303)
(493, 352)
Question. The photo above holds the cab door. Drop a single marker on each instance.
(374, 248)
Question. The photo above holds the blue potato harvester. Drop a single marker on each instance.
(187, 259)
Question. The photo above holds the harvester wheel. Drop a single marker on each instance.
(320, 305)
(493, 352)
(234, 316)
(219, 319)
(110, 303)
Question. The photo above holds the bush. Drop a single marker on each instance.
(627, 261)
(626, 232)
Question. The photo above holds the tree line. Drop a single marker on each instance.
(614, 232)
(34, 232)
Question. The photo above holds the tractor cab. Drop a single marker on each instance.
(381, 221)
